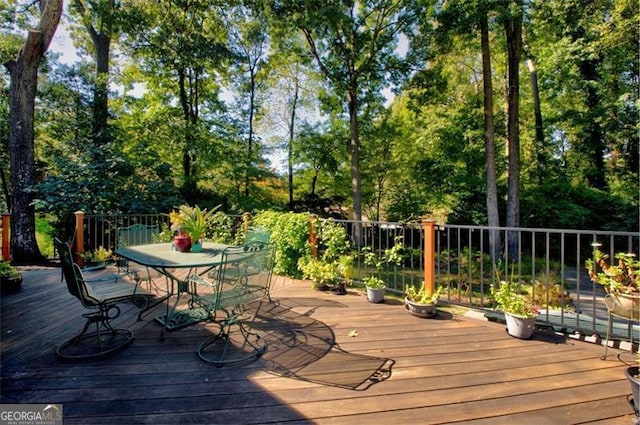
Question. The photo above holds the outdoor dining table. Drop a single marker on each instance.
(172, 263)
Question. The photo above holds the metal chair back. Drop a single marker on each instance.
(136, 234)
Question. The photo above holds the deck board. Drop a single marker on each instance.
(322, 348)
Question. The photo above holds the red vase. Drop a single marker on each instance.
(182, 243)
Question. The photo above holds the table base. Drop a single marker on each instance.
(182, 318)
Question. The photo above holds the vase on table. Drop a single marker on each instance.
(182, 243)
(196, 246)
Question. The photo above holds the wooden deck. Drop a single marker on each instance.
(330, 360)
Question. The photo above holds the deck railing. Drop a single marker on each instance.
(550, 260)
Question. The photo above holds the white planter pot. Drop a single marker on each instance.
(375, 295)
(520, 327)
(623, 305)
(420, 310)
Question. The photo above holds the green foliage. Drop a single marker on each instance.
(221, 228)
(392, 256)
(44, 235)
(511, 298)
(290, 233)
(422, 295)
(620, 277)
(194, 221)
(565, 206)
(6, 269)
(320, 272)
(335, 257)
(97, 255)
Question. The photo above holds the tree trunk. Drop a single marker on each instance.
(540, 148)
(190, 120)
(23, 71)
(493, 215)
(354, 147)
(292, 122)
(513, 30)
(101, 133)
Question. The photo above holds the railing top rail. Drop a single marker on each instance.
(498, 228)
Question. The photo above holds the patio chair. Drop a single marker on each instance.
(137, 234)
(102, 299)
(258, 234)
(244, 276)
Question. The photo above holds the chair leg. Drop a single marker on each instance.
(103, 341)
(223, 348)
(606, 341)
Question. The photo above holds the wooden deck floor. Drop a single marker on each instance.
(330, 360)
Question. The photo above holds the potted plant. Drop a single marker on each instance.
(190, 225)
(618, 280)
(633, 376)
(321, 273)
(519, 311)
(374, 284)
(333, 264)
(421, 302)
(375, 289)
(10, 278)
(96, 258)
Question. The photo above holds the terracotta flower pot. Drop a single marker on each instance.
(182, 243)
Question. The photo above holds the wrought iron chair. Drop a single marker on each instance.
(102, 298)
(258, 234)
(244, 276)
(137, 234)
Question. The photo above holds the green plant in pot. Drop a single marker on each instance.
(422, 302)
(97, 256)
(619, 280)
(191, 222)
(321, 273)
(10, 278)
(519, 310)
(375, 284)
(333, 266)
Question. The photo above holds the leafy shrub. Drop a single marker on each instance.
(290, 233)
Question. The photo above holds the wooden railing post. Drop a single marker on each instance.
(79, 237)
(6, 226)
(429, 255)
(313, 237)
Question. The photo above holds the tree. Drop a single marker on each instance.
(182, 46)
(23, 70)
(354, 45)
(513, 31)
(99, 19)
(249, 45)
(461, 17)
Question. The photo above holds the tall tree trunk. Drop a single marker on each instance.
(190, 117)
(539, 140)
(101, 133)
(513, 30)
(292, 123)
(252, 102)
(23, 72)
(354, 148)
(594, 143)
(489, 142)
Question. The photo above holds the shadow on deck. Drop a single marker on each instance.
(330, 360)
